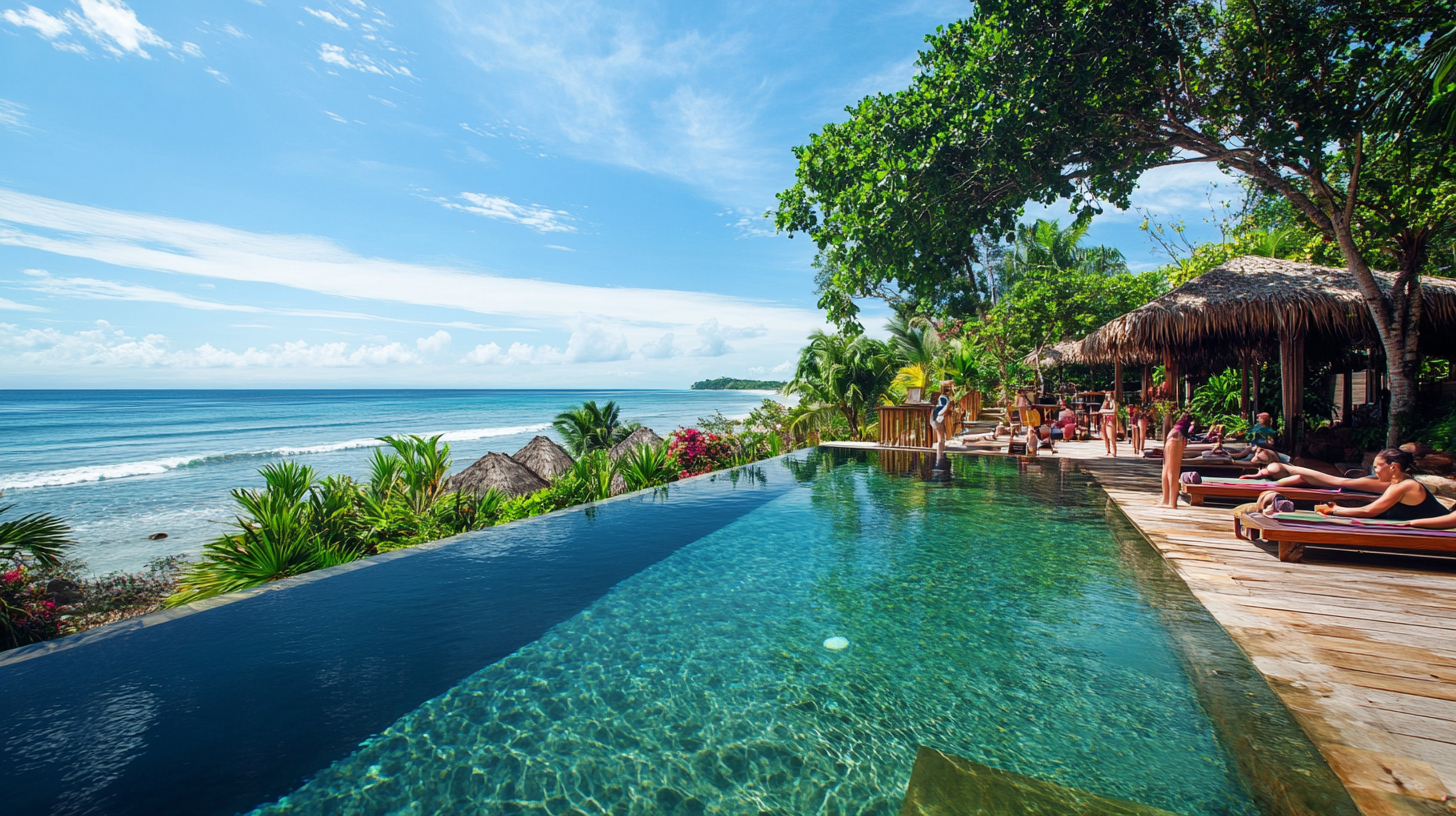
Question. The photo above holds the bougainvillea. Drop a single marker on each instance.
(30, 615)
(698, 452)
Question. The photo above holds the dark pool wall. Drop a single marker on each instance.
(219, 710)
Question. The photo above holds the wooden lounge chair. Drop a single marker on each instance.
(1245, 490)
(1293, 531)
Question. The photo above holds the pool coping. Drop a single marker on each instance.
(1331, 639)
(47, 647)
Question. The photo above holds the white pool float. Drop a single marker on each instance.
(834, 644)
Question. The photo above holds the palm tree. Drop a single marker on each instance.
(914, 339)
(40, 537)
(843, 376)
(1045, 246)
(589, 427)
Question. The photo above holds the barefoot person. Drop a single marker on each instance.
(1173, 460)
(1137, 428)
(938, 414)
(1109, 426)
(1405, 499)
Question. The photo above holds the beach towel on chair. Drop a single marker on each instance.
(1191, 477)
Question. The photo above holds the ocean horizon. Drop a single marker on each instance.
(120, 465)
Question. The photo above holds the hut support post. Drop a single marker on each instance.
(1147, 383)
(1244, 386)
(1347, 397)
(1117, 381)
(1291, 378)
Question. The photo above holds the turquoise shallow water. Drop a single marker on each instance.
(993, 612)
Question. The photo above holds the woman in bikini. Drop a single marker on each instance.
(1404, 499)
(1173, 461)
(1109, 426)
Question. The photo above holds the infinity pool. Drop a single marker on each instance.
(666, 654)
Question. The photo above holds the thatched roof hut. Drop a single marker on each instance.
(500, 472)
(544, 457)
(1250, 302)
(1067, 352)
(641, 436)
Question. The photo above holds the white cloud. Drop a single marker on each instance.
(191, 49)
(561, 248)
(326, 17)
(218, 75)
(160, 244)
(18, 307)
(108, 346)
(660, 349)
(786, 367)
(359, 61)
(12, 116)
(715, 337)
(436, 342)
(589, 344)
(45, 25)
(232, 30)
(501, 208)
(114, 26)
(336, 117)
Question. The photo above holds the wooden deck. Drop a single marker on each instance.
(1364, 656)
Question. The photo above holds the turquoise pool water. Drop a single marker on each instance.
(997, 611)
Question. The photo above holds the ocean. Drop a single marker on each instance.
(120, 466)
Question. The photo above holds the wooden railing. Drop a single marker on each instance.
(905, 426)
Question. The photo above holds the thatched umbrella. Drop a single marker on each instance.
(544, 457)
(1241, 308)
(639, 437)
(499, 472)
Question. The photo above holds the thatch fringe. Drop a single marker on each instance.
(544, 457)
(498, 472)
(1248, 301)
(639, 437)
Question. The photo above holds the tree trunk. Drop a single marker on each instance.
(1397, 317)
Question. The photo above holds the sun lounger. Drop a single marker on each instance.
(1292, 531)
(1214, 487)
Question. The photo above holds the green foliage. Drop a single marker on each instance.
(38, 537)
(842, 378)
(732, 384)
(648, 466)
(299, 523)
(589, 427)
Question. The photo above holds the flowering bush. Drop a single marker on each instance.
(30, 614)
(697, 452)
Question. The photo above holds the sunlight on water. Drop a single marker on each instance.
(992, 615)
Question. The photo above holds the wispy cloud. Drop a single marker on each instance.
(327, 17)
(562, 248)
(18, 307)
(589, 344)
(44, 283)
(44, 24)
(715, 337)
(622, 90)
(500, 208)
(111, 24)
(156, 243)
(13, 116)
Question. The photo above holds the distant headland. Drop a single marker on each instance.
(730, 384)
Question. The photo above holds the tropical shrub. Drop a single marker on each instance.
(697, 452)
(648, 466)
(590, 427)
(29, 613)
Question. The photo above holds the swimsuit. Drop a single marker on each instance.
(1428, 508)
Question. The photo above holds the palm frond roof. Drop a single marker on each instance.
(544, 457)
(1248, 301)
(639, 437)
(496, 471)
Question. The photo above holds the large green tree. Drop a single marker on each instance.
(1041, 100)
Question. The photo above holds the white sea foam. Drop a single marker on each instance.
(153, 467)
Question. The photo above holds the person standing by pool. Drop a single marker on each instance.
(937, 416)
(1137, 429)
(1173, 460)
(1109, 426)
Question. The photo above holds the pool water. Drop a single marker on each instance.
(991, 612)
(665, 653)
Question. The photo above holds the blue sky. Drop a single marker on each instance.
(259, 193)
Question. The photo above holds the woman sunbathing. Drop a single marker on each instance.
(989, 436)
(1405, 499)
(1294, 476)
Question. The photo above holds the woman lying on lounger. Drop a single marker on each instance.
(1295, 476)
(1404, 499)
(989, 436)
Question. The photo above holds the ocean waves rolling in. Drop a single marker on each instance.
(153, 467)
